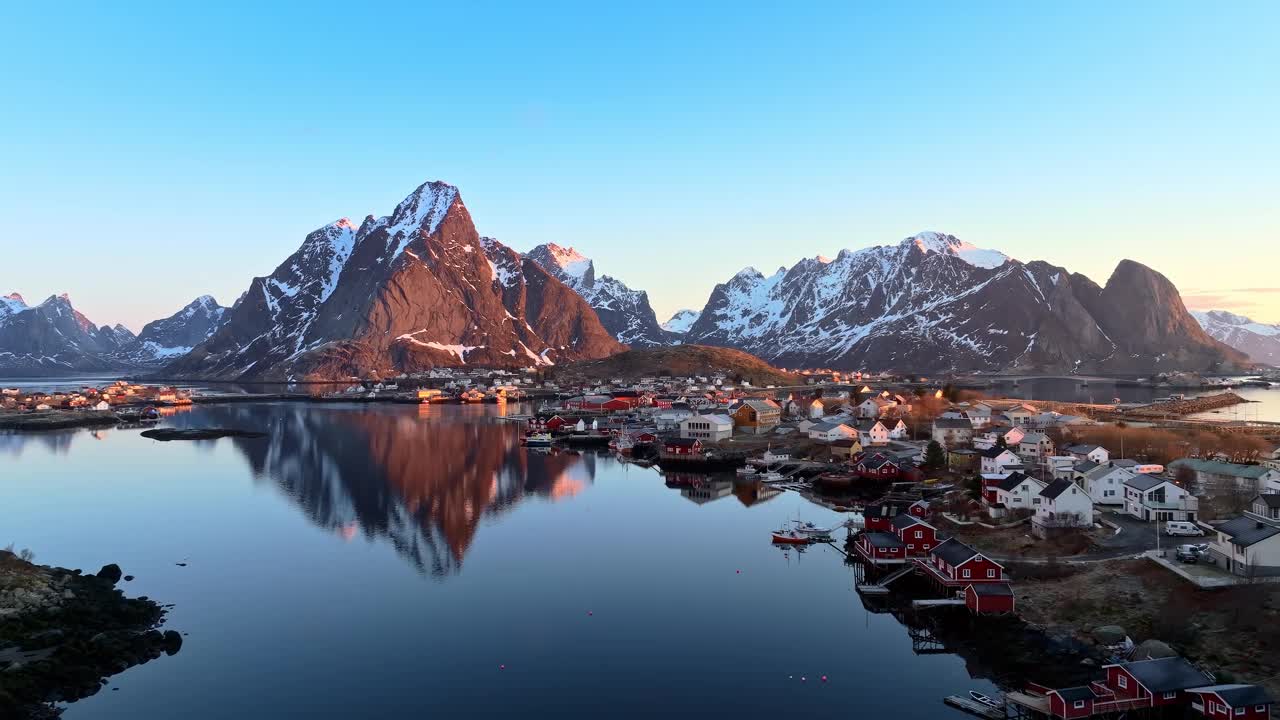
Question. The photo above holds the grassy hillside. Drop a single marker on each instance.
(679, 361)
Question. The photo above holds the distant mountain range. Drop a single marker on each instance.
(420, 288)
(53, 338)
(1260, 341)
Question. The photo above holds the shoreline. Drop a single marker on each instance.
(64, 633)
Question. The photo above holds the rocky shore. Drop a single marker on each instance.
(56, 420)
(62, 633)
(1190, 406)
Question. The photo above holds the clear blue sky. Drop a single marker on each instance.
(154, 153)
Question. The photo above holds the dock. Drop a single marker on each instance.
(943, 602)
(973, 707)
(882, 587)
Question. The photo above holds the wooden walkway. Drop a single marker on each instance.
(942, 602)
(973, 707)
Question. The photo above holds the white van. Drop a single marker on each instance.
(1182, 529)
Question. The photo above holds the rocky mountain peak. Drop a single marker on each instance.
(944, 244)
(424, 209)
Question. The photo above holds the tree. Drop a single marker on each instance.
(934, 456)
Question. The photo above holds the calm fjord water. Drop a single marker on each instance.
(385, 561)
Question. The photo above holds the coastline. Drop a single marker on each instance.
(63, 633)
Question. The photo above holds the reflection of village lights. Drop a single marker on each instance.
(348, 531)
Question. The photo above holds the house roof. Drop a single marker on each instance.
(1034, 437)
(1214, 467)
(953, 552)
(1072, 694)
(992, 589)
(883, 540)
(683, 442)
(877, 461)
(903, 522)
(1144, 482)
(1165, 674)
(994, 452)
(867, 424)
(1086, 466)
(1010, 483)
(1245, 531)
(1082, 449)
(1237, 695)
(825, 426)
(845, 443)
(761, 405)
(1272, 500)
(953, 423)
(1056, 488)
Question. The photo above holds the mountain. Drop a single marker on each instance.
(934, 303)
(163, 340)
(1261, 342)
(678, 361)
(53, 338)
(406, 292)
(681, 321)
(624, 312)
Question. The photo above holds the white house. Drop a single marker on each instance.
(670, 419)
(1019, 492)
(1249, 545)
(102, 405)
(1021, 414)
(992, 436)
(897, 429)
(1034, 447)
(874, 407)
(831, 431)
(1093, 453)
(952, 433)
(1105, 484)
(817, 409)
(979, 414)
(771, 457)
(1063, 504)
(1061, 466)
(707, 427)
(995, 460)
(1148, 498)
(872, 432)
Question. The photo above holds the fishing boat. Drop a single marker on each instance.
(790, 536)
(623, 444)
(746, 470)
(537, 439)
(810, 530)
(984, 699)
(772, 476)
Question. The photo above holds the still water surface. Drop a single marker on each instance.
(385, 561)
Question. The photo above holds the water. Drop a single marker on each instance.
(1264, 403)
(385, 560)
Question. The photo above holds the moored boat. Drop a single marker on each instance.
(790, 536)
(537, 439)
(984, 699)
(810, 530)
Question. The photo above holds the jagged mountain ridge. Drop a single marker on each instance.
(680, 321)
(624, 312)
(406, 292)
(933, 303)
(1260, 341)
(53, 338)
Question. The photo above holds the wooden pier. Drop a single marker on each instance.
(973, 707)
(942, 602)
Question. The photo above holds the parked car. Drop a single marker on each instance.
(1182, 529)
(1187, 554)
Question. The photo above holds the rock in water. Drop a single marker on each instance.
(172, 642)
(110, 573)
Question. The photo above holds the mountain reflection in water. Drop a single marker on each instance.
(421, 481)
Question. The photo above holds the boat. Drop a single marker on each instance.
(810, 530)
(537, 439)
(623, 444)
(471, 396)
(746, 470)
(772, 476)
(984, 699)
(791, 536)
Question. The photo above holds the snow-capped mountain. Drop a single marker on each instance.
(1260, 341)
(681, 321)
(409, 291)
(53, 338)
(164, 340)
(934, 303)
(624, 312)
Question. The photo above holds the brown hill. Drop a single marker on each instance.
(679, 361)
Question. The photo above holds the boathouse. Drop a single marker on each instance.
(1231, 701)
(953, 564)
(919, 536)
(881, 548)
(989, 598)
(682, 446)
(877, 467)
(1169, 683)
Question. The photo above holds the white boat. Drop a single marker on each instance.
(808, 529)
(772, 476)
(984, 699)
(538, 439)
(748, 470)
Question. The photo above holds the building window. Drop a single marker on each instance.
(966, 572)
(1171, 695)
(1122, 681)
(991, 574)
(1079, 704)
(911, 547)
(919, 534)
(1239, 711)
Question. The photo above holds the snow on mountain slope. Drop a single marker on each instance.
(1260, 341)
(681, 321)
(163, 340)
(402, 293)
(933, 303)
(53, 338)
(624, 312)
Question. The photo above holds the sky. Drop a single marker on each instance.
(153, 153)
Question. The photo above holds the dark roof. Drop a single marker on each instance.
(883, 540)
(877, 461)
(905, 521)
(1144, 482)
(1011, 483)
(1082, 449)
(1246, 531)
(1056, 488)
(1166, 674)
(994, 452)
(682, 442)
(1237, 695)
(1085, 466)
(953, 552)
(992, 589)
(884, 508)
(1271, 499)
(847, 443)
(953, 423)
